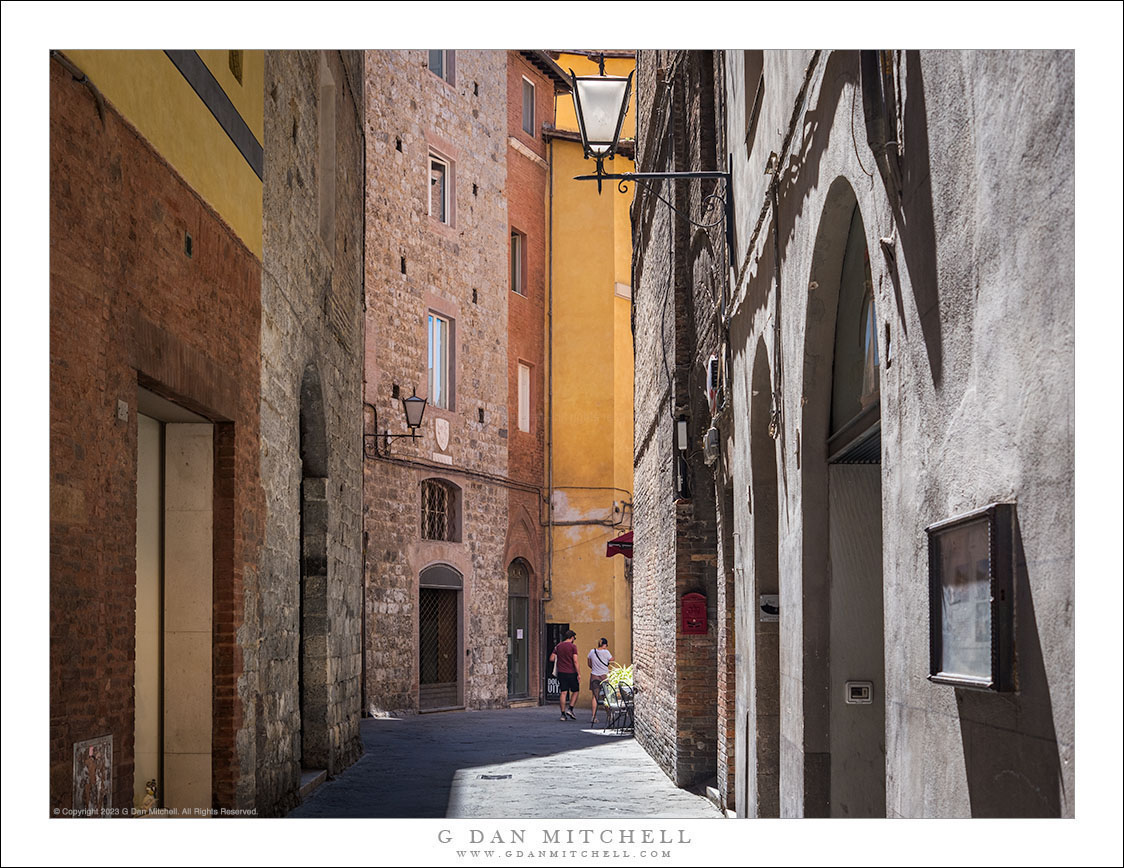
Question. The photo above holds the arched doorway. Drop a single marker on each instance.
(440, 638)
(518, 628)
(841, 496)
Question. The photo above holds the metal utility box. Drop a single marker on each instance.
(693, 614)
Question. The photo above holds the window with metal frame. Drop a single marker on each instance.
(442, 63)
(440, 339)
(518, 283)
(437, 505)
(528, 107)
(439, 184)
(524, 397)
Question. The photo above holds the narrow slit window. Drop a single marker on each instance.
(440, 382)
(528, 107)
(517, 276)
(524, 397)
(439, 189)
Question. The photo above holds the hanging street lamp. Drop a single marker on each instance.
(601, 103)
(414, 410)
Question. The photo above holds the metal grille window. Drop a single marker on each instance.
(438, 640)
(437, 510)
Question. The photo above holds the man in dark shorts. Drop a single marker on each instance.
(566, 655)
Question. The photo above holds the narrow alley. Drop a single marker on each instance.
(504, 763)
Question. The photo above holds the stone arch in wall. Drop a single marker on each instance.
(839, 460)
(312, 673)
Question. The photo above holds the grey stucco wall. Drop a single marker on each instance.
(976, 405)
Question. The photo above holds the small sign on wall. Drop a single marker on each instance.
(93, 776)
(769, 608)
(971, 599)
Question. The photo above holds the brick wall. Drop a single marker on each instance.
(678, 275)
(127, 306)
(528, 175)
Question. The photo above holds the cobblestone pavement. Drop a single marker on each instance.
(522, 763)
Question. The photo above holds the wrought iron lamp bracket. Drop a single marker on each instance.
(709, 201)
(371, 448)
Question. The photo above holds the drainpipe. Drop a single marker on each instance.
(548, 584)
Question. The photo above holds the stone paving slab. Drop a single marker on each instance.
(509, 763)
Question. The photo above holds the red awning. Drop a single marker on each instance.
(622, 545)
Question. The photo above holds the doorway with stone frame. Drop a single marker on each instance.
(518, 629)
(440, 638)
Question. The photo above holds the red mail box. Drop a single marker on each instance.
(693, 614)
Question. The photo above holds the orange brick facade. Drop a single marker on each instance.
(130, 307)
(527, 189)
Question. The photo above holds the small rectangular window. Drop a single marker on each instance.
(753, 82)
(438, 189)
(440, 337)
(524, 397)
(517, 281)
(442, 63)
(528, 107)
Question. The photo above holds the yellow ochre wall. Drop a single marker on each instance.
(591, 433)
(148, 90)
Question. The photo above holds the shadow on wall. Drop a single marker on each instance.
(914, 216)
(1010, 747)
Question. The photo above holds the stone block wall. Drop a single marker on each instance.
(312, 340)
(416, 264)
